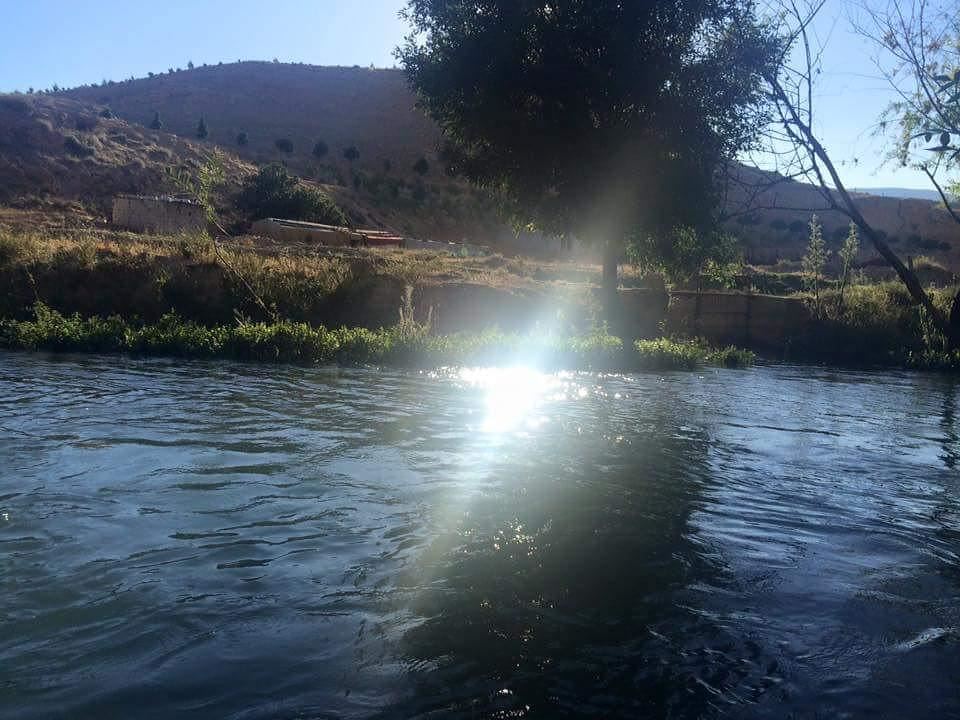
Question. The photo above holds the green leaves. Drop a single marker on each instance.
(591, 118)
(273, 192)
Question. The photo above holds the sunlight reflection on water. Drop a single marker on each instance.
(515, 397)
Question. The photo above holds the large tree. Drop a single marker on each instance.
(593, 118)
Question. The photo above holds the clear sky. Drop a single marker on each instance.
(70, 43)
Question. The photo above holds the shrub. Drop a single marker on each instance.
(242, 139)
(85, 123)
(419, 193)
(273, 192)
(320, 149)
(351, 153)
(421, 166)
(202, 129)
(284, 145)
(76, 148)
(156, 124)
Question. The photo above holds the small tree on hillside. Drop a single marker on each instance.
(848, 255)
(242, 139)
(814, 261)
(156, 124)
(202, 129)
(351, 153)
(421, 166)
(320, 149)
(273, 192)
(189, 64)
(284, 145)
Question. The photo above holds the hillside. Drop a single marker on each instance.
(57, 149)
(373, 111)
(774, 223)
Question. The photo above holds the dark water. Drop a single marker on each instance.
(220, 541)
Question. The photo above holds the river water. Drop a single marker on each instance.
(204, 540)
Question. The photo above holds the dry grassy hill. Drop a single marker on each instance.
(369, 109)
(58, 149)
(373, 111)
(780, 228)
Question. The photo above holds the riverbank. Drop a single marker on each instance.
(146, 279)
(404, 345)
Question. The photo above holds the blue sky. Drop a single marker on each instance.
(69, 43)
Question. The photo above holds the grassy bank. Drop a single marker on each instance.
(398, 346)
(146, 280)
(101, 272)
(875, 325)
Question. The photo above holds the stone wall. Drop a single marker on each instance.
(764, 322)
(157, 215)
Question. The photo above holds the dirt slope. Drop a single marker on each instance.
(57, 148)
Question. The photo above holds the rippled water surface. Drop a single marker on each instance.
(226, 541)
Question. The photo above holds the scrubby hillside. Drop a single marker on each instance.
(248, 107)
(308, 118)
(773, 224)
(56, 148)
(370, 110)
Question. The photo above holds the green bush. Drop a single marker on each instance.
(351, 153)
(320, 149)
(242, 139)
(284, 145)
(665, 353)
(273, 192)
(407, 345)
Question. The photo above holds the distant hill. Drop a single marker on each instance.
(774, 223)
(896, 192)
(344, 107)
(374, 112)
(370, 110)
(56, 147)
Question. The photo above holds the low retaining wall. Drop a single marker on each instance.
(297, 231)
(756, 321)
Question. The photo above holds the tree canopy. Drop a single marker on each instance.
(592, 118)
(273, 192)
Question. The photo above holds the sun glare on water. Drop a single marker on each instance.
(515, 397)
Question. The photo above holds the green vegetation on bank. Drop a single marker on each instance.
(405, 345)
(146, 279)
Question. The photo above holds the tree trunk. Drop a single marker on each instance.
(953, 336)
(906, 275)
(611, 304)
